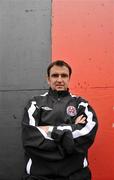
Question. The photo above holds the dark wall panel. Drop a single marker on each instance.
(24, 42)
(25, 52)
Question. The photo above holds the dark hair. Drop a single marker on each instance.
(59, 63)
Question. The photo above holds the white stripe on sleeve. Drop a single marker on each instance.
(64, 128)
(28, 167)
(30, 113)
(44, 133)
(85, 163)
(90, 123)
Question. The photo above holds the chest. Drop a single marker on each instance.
(56, 112)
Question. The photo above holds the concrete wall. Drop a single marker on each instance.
(25, 51)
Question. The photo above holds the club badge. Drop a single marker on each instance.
(71, 111)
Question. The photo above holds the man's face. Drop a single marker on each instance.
(59, 78)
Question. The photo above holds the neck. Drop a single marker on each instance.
(59, 93)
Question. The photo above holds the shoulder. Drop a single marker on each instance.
(36, 99)
(40, 96)
(78, 98)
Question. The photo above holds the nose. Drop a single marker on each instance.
(59, 79)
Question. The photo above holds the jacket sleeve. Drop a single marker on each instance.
(35, 141)
(78, 137)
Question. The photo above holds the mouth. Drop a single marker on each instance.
(58, 85)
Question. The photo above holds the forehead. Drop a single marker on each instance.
(59, 69)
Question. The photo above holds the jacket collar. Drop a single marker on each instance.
(58, 94)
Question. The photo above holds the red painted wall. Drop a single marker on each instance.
(83, 35)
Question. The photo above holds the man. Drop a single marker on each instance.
(57, 130)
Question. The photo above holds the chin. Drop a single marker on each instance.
(60, 89)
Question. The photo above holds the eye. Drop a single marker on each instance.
(55, 75)
(64, 75)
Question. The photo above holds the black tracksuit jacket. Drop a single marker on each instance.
(64, 150)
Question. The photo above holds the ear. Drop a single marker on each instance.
(48, 80)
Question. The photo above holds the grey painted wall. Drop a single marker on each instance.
(25, 52)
